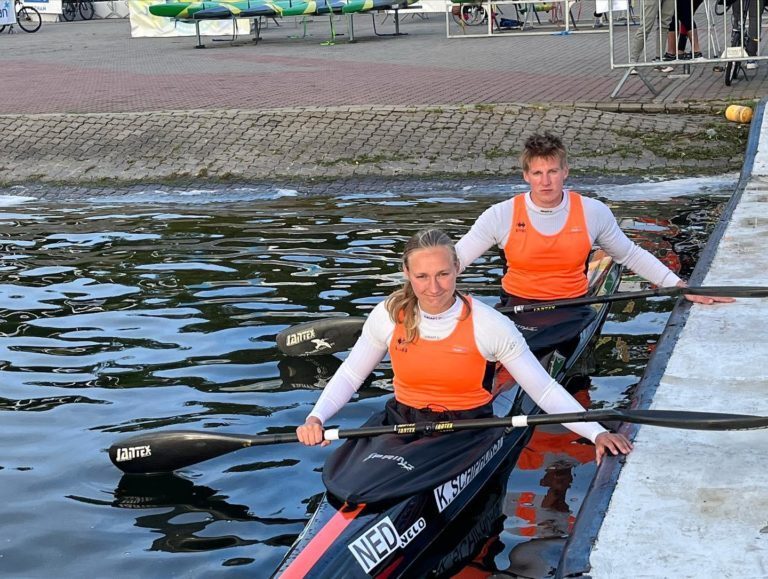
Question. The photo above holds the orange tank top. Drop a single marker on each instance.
(547, 267)
(443, 374)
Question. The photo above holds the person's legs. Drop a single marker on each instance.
(667, 10)
(695, 36)
(598, 19)
(650, 13)
(695, 42)
(753, 30)
(669, 54)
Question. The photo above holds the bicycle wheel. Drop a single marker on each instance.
(69, 11)
(86, 10)
(29, 19)
(470, 15)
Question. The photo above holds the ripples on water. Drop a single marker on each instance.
(144, 311)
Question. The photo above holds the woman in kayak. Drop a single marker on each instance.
(440, 343)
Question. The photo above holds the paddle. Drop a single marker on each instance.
(721, 291)
(171, 450)
(320, 337)
(330, 335)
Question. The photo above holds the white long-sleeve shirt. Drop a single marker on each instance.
(497, 341)
(494, 224)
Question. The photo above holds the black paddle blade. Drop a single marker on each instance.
(167, 451)
(737, 291)
(693, 420)
(320, 337)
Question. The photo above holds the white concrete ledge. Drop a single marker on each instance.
(692, 503)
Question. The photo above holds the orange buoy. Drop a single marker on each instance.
(738, 113)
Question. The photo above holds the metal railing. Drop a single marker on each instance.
(671, 36)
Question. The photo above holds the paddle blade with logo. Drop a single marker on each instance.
(320, 337)
(156, 452)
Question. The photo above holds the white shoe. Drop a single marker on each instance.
(751, 65)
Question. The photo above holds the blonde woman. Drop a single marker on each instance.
(441, 343)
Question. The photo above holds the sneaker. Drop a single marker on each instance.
(668, 56)
(751, 65)
(665, 69)
(598, 23)
(697, 55)
(633, 71)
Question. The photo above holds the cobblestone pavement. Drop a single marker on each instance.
(83, 103)
(342, 142)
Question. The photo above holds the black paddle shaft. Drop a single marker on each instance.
(712, 291)
(171, 450)
(331, 335)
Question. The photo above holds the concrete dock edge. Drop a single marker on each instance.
(576, 554)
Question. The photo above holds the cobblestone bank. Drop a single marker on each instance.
(306, 145)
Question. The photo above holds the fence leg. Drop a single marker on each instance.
(641, 76)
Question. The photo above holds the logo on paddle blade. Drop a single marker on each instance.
(298, 337)
(321, 344)
(131, 452)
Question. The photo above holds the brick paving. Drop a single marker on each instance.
(83, 103)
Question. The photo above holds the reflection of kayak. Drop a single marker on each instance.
(655, 235)
(252, 8)
(307, 373)
(393, 503)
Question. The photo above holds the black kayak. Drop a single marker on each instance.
(406, 506)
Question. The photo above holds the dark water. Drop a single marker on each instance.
(128, 314)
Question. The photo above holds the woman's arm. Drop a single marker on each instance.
(553, 398)
(362, 360)
(367, 352)
(503, 342)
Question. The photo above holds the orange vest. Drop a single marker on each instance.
(547, 267)
(439, 374)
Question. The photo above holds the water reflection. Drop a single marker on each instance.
(307, 373)
(159, 310)
(182, 510)
(541, 515)
(42, 404)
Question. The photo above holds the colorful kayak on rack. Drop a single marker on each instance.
(253, 9)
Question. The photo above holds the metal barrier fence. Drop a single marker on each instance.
(470, 18)
(671, 36)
